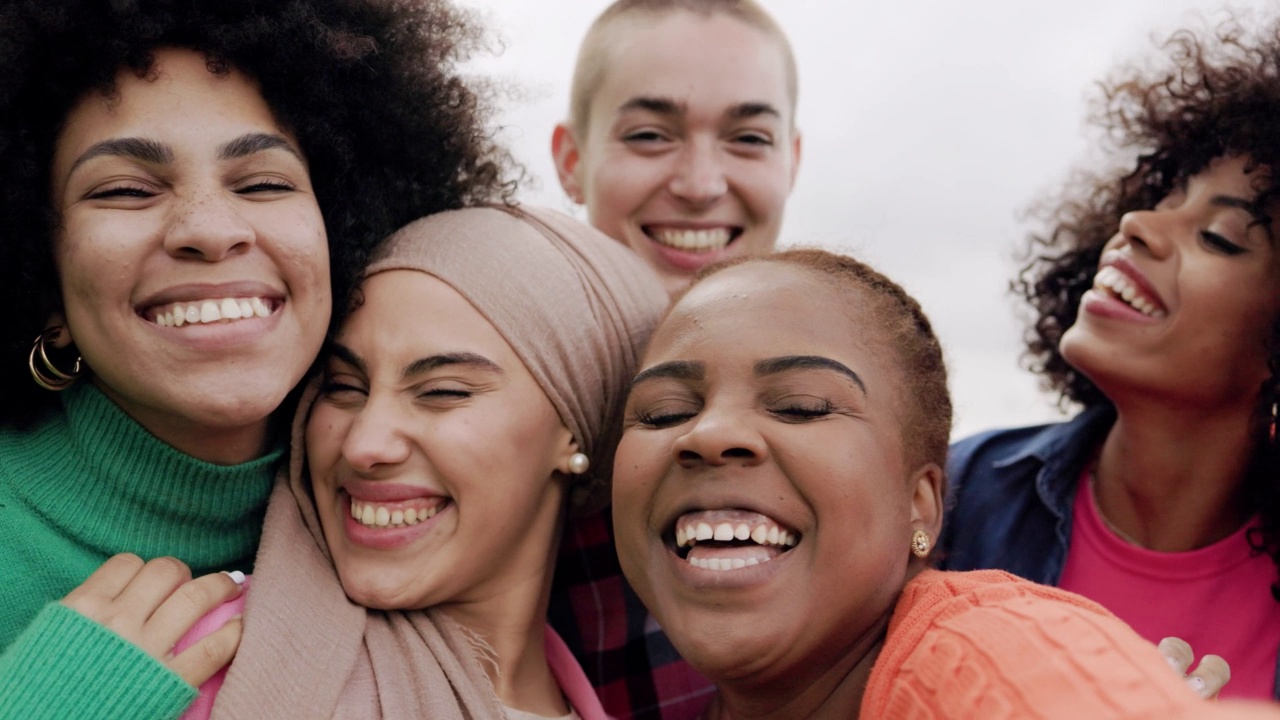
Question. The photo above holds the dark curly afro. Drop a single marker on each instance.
(371, 89)
(1216, 95)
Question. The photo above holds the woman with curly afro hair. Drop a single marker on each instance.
(185, 186)
(1156, 292)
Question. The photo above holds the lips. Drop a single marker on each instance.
(730, 539)
(205, 312)
(207, 304)
(694, 240)
(1120, 279)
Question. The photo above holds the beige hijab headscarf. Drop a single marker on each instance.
(577, 308)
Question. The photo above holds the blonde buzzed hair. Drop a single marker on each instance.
(590, 67)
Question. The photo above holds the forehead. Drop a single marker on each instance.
(709, 63)
(407, 312)
(175, 101)
(763, 309)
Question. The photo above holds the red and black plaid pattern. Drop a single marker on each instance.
(629, 660)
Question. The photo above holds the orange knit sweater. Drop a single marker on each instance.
(988, 645)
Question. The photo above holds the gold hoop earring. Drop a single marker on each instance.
(49, 376)
(920, 543)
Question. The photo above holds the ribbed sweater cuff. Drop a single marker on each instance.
(65, 665)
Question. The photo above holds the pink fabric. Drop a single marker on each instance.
(1217, 598)
(572, 680)
(568, 674)
(203, 706)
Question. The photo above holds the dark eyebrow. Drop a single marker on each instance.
(658, 105)
(749, 110)
(149, 151)
(772, 366)
(251, 143)
(346, 355)
(676, 369)
(427, 364)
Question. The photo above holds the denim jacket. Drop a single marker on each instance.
(1011, 498)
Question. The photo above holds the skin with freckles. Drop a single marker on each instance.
(802, 423)
(184, 188)
(689, 137)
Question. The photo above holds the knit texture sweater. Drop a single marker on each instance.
(87, 483)
(988, 645)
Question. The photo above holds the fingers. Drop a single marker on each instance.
(1209, 676)
(153, 604)
(104, 584)
(1177, 653)
(184, 607)
(202, 660)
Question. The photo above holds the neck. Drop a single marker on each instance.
(819, 690)
(1172, 479)
(511, 620)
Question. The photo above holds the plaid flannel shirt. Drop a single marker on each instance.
(627, 657)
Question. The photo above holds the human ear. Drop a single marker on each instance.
(566, 448)
(795, 158)
(926, 500)
(564, 150)
(58, 320)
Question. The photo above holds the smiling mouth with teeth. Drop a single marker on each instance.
(691, 240)
(730, 539)
(396, 515)
(204, 312)
(1115, 284)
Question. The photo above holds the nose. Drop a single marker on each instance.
(208, 226)
(721, 437)
(1147, 230)
(373, 440)
(699, 176)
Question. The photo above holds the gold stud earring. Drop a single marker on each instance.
(920, 543)
(49, 376)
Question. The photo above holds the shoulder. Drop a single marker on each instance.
(988, 644)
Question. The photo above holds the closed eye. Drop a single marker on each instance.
(266, 186)
(802, 412)
(1220, 243)
(662, 419)
(121, 191)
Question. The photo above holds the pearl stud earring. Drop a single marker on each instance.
(579, 463)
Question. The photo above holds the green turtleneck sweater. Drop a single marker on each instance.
(86, 483)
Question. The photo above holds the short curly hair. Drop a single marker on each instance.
(907, 333)
(1217, 94)
(371, 89)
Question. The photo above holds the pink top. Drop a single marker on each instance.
(573, 681)
(1217, 598)
(203, 706)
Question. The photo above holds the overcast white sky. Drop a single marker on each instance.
(929, 127)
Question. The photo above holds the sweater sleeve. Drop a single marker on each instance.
(64, 665)
(987, 645)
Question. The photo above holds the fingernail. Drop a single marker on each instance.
(236, 576)
(1197, 684)
(1173, 664)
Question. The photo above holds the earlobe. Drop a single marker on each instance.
(564, 150)
(569, 458)
(926, 500)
